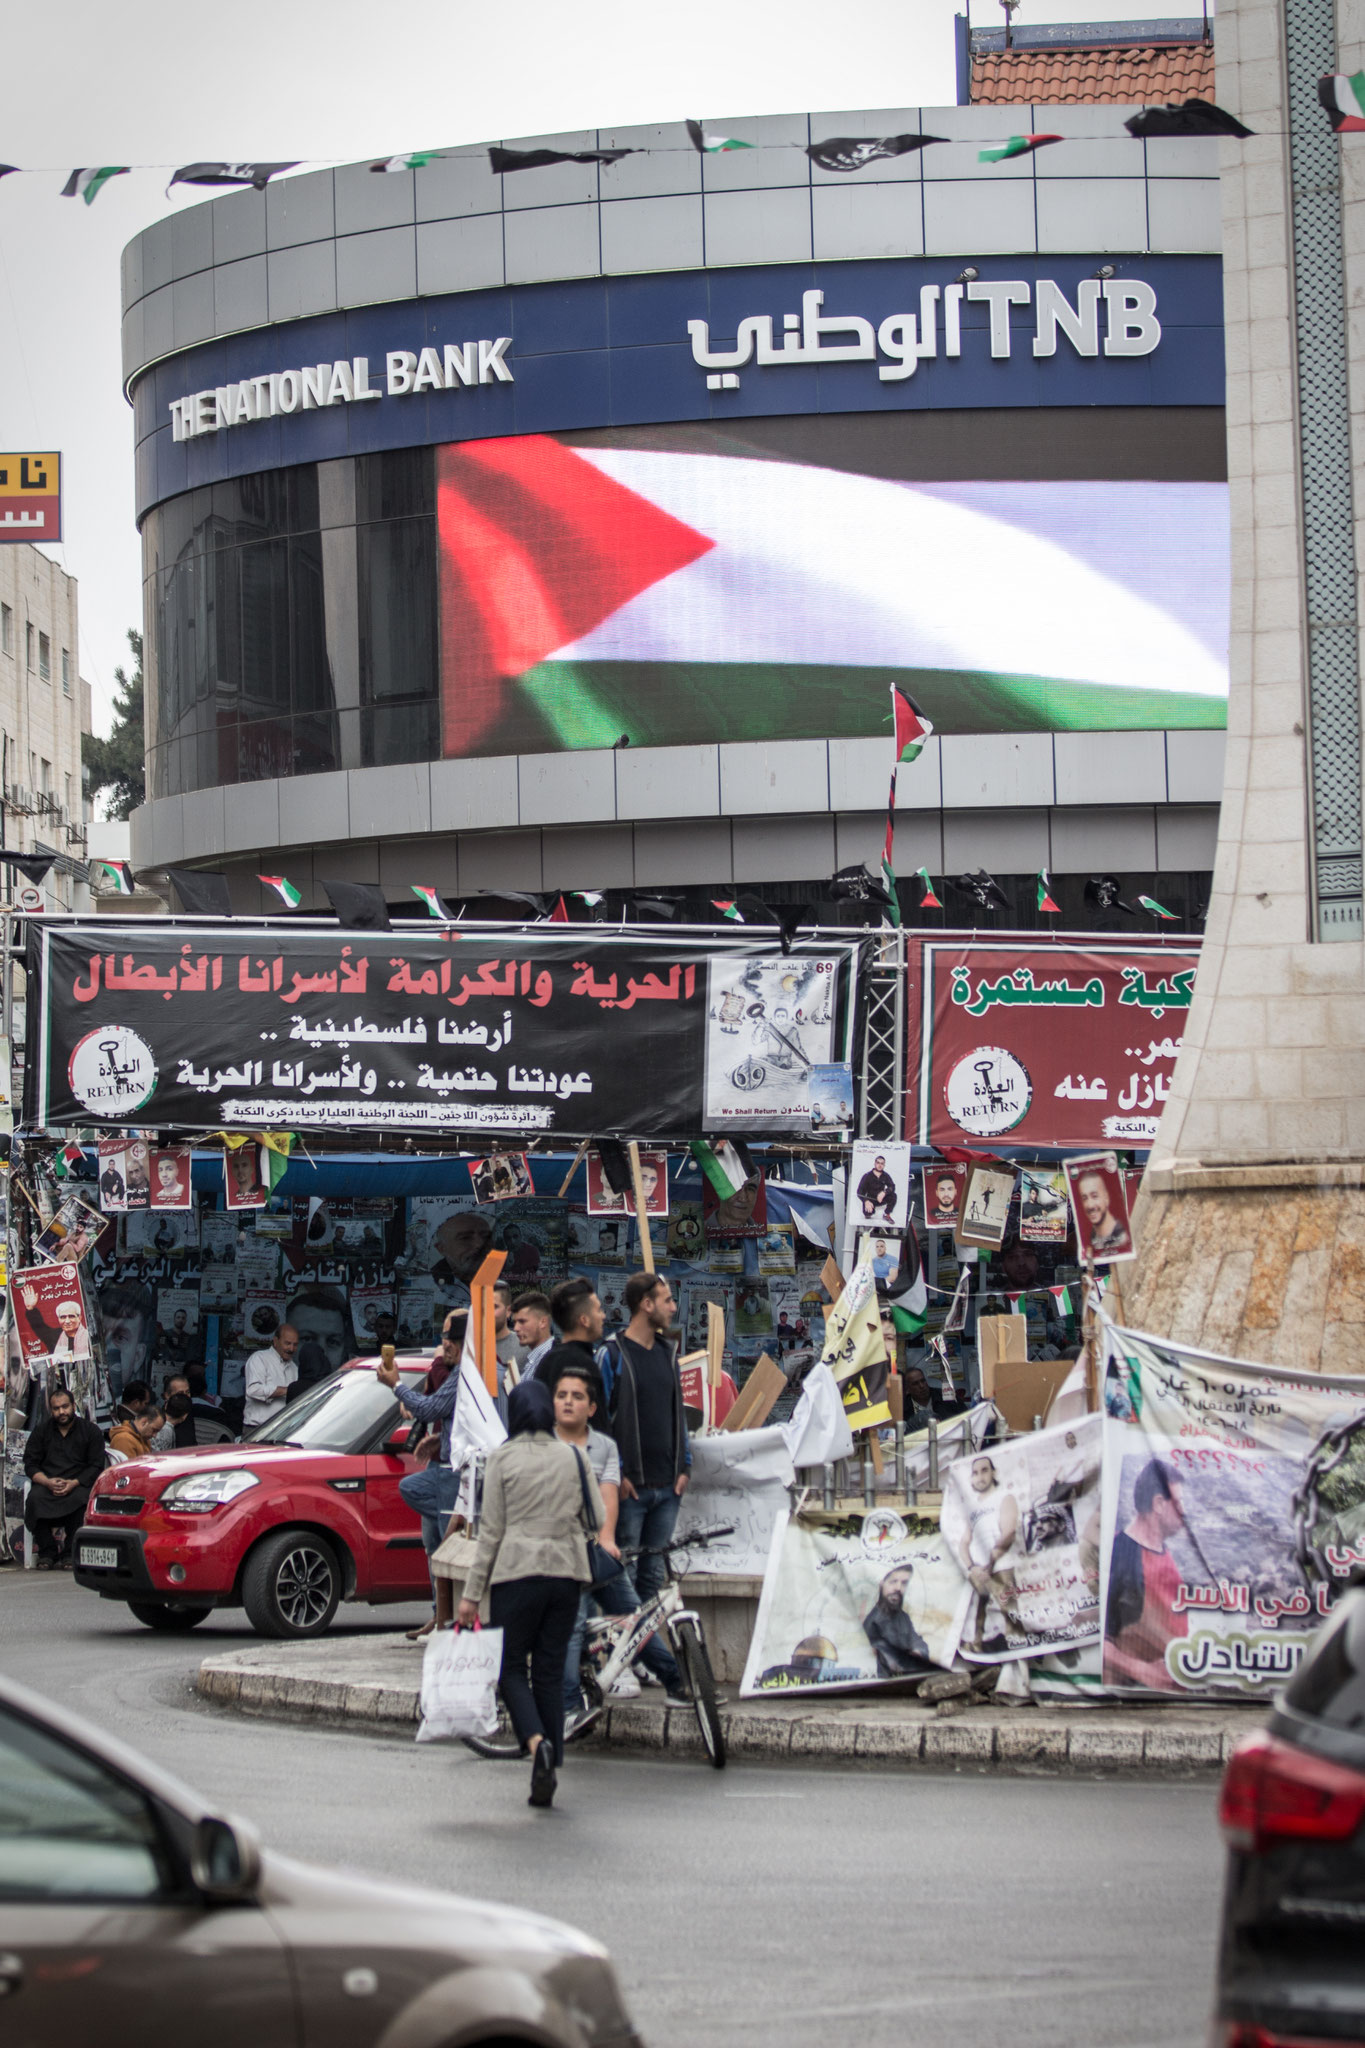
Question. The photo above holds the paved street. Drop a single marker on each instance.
(754, 1906)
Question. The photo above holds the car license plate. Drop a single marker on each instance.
(99, 1557)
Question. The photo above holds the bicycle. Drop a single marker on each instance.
(612, 1642)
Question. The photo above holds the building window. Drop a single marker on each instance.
(29, 634)
(47, 778)
(67, 780)
(6, 629)
(66, 672)
(44, 658)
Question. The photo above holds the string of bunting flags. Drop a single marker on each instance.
(1342, 98)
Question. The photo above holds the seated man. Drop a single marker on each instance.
(135, 1437)
(180, 1421)
(575, 1406)
(63, 1458)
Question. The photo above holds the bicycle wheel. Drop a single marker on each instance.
(503, 1745)
(701, 1680)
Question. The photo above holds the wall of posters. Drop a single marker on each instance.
(1023, 1522)
(839, 1610)
(1052, 1042)
(348, 1030)
(1233, 1507)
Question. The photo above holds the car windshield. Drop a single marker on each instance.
(343, 1414)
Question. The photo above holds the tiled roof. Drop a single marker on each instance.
(1127, 75)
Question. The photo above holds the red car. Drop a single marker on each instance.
(302, 1516)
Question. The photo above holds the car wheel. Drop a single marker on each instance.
(292, 1584)
(169, 1620)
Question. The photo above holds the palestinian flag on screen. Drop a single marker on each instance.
(699, 591)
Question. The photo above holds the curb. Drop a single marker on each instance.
(1026, 1740)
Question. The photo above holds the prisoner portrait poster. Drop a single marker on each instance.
(1022, 1520)
(1233, 1511)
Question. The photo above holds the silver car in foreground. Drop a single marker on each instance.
(132, 1917)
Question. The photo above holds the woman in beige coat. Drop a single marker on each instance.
(533, 1559)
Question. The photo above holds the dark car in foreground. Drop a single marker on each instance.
(133, 1916)
(304, 1514)
(1291, 1967)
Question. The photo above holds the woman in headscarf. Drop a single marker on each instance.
(533, 1555)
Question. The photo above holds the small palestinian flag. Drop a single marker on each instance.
(284, 888)
(851, 152)
(560, 913)
(592, 897)
(1018, 145)
(68, 1160)
(1045, 901)
(713, 145)
(728, 908)
(928, 900)
(418, 161)
(257, 175)
(1344, 101)
(87, 185)
(907, 1296)
(1195, 117)
(119, 873)
(429, 898)
(722, 1165)
(1016, 1302)
(536, 159)
(1062, 1297)
(913, 729)
(1155, 909)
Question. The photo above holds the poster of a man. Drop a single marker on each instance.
(1099, 1203)
(124, 1181)
(1144, 1580)
(71, 1233)
(243, 1178)
(49, 1315)
(942, 1192)
(171, 1178)
(501, 1178)
(992, 1529)
(883, 1248)
(603, 1199)
(985, 1206)
(900, 1649)
(879, 1178)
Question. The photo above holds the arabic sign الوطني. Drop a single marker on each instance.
(1057, 1043)
(264, 1028)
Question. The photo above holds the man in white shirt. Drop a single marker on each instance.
(269, 1376)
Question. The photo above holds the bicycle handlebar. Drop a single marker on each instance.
(699, 1536)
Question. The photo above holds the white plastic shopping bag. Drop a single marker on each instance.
(460, 1670)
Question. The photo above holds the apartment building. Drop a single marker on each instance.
(44, 709)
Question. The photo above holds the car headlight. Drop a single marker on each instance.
(199, 1492)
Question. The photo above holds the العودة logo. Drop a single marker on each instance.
(112, 1071)
(988, 1092)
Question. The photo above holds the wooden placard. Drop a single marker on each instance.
(831, 1279)
(641, 1214)
(715, 1342)
(481, 1316)
(756, 1397)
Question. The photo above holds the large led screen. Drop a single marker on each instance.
(681, 585)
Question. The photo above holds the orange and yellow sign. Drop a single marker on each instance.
(30, 497)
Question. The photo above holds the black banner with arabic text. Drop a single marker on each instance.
(201, 1028)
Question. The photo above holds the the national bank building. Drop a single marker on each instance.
(563, 527)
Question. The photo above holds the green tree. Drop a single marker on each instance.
(117, 764)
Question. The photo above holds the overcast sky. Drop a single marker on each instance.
(328, 81)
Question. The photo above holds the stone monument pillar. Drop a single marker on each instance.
(1251, 1222)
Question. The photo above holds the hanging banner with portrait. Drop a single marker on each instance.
(1023, 1522)
(542, 1030)
(1066, 1041)
(1233, 1511)
(884, 1602)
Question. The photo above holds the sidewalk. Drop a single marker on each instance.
(374, 1683)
